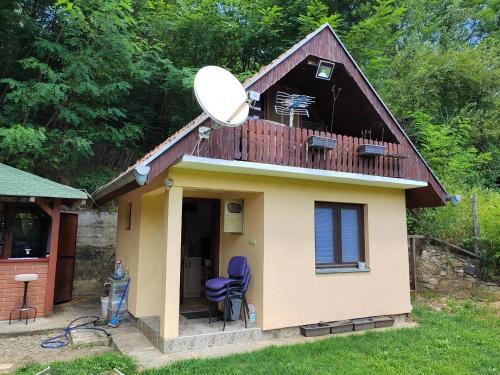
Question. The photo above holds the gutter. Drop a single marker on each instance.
(139, 174)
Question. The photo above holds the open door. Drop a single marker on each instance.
(199, 249)
(63, 289)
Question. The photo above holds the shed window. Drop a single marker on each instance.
(128, 216)
(338, 234)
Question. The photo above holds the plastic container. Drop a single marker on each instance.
(104, 306)
(119, 272)
(252, 316)
(117, 288)
(113, 305)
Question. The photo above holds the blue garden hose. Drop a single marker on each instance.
(63, 339)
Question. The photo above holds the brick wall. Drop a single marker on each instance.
(11, 291)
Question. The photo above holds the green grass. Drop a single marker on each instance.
(462, 338)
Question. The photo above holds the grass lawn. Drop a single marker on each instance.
(463, 337)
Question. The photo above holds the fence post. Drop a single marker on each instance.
(414, 260)
(475, 224)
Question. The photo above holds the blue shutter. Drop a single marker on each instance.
(323, 230)
(350, 235)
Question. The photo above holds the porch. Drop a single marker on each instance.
(198, 334)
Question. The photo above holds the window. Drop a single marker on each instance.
(128, 216)
(339, 235)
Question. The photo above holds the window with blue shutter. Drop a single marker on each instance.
(324, 234)
(338, 230)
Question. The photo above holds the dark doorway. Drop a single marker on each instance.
(199, 249)
(63, 289)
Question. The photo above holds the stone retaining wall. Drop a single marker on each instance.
(443, 270)
(95, 251)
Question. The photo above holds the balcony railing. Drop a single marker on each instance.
(264, 141)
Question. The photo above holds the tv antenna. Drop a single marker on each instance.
(293, 104)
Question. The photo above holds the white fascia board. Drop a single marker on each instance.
(283, 171)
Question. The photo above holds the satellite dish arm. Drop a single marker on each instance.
(235, 113)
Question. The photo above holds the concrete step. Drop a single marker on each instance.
(209, 340)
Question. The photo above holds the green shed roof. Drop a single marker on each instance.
(14, 182)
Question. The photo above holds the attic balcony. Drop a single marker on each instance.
(268, 142)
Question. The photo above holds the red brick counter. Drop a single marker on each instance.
(11, 291)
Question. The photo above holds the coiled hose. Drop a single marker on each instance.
(64, 339)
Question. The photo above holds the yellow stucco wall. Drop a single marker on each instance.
(292, 293)
(141, 247)
(127, 242)
(279, 216)
(151, 250)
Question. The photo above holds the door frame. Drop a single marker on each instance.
(215, 245)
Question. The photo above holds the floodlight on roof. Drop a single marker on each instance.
(325, 70)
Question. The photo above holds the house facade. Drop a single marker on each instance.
(323, 228)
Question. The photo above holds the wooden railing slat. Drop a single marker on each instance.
(251, 141)
(244, 142)
(258, 142)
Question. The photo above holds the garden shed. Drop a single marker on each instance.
(37, 236)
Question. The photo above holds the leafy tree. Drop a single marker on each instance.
(317, 13)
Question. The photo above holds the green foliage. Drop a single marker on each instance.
(447, 148)
(18, 141)
(317, 13)
(373, 39)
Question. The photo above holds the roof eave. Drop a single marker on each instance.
(101, 194)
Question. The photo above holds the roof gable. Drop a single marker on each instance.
(325, 44)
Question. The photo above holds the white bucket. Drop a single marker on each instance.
(104, 306)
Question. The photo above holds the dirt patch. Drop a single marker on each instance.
(21, 350)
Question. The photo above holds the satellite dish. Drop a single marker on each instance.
(221, 96)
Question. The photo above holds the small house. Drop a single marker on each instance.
(317, 206)
(37, 237)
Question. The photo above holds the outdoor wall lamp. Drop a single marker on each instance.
(453, 199)
(141, 174)
(169, 183)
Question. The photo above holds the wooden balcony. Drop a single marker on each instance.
(264, 141)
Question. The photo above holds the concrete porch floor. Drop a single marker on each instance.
(197, 334)
(63, 314)
(194, 327)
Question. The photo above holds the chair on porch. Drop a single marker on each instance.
(227, 289)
